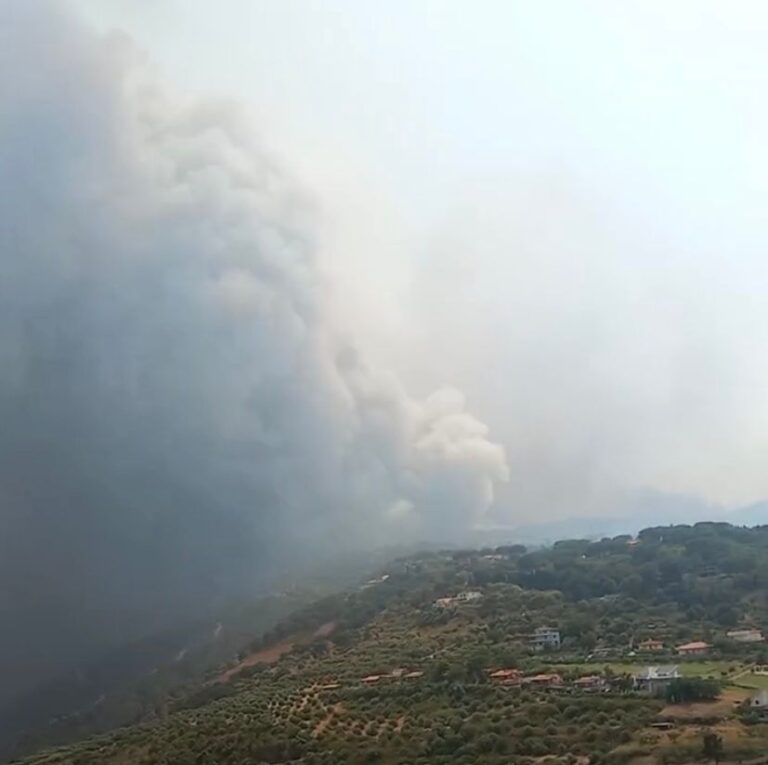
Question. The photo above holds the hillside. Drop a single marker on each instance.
(433, 662)
(137, 680)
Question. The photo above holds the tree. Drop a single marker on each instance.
(684, 690)
(712, 747)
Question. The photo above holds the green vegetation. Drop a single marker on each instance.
(752, 680)
(712, 747)
(687, 689)
(297, 693)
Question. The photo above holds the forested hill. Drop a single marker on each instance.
(707, 569)
(400, 668)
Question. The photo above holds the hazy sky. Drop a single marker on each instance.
(277, 276)
(556, 206)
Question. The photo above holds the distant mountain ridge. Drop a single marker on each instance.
(647, 510)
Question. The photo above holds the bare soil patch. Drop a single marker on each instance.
(268, 655)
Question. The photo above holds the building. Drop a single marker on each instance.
(650, 645)
(551, 680)
(745, 636)
(506, 676)
(759, 701)
(591, 683)
(602, 652)
(463, 597)
(654, 680)
(545, 638)
(696, 648)
(372, 582)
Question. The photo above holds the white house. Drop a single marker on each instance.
(745, 636)
(463, 597)
(759, 700)
(654, 680)
(545, 638)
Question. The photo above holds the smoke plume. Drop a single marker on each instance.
(179, 414)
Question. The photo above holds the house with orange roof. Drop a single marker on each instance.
(650, 645)
(549, 680)
(696, 648)
(591, 683)
(506, 676)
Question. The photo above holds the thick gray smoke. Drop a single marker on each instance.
(178, 414)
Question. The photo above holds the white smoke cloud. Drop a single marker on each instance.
(171, 385)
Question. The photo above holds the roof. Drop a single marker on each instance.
(548, 678)
(414, 674)
(502, 673)
(589, 680)
(651, 641)
(696, 645)
(658, 673)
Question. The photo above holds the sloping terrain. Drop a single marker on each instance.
(405, 675)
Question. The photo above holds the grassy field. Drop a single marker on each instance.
(754, 681)
(709, 668)
(712, 669)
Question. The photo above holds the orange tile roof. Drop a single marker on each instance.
(503, 673)
(694, 646)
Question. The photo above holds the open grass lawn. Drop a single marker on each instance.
(707, 668)
(712, 669)
(754, 681)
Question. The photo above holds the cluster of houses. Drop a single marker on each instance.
(694, 648)
(699, 647)
(651, 680)
(549, 639)
(553, 680)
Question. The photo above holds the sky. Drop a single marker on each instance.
(556, 207)
(284, 276)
